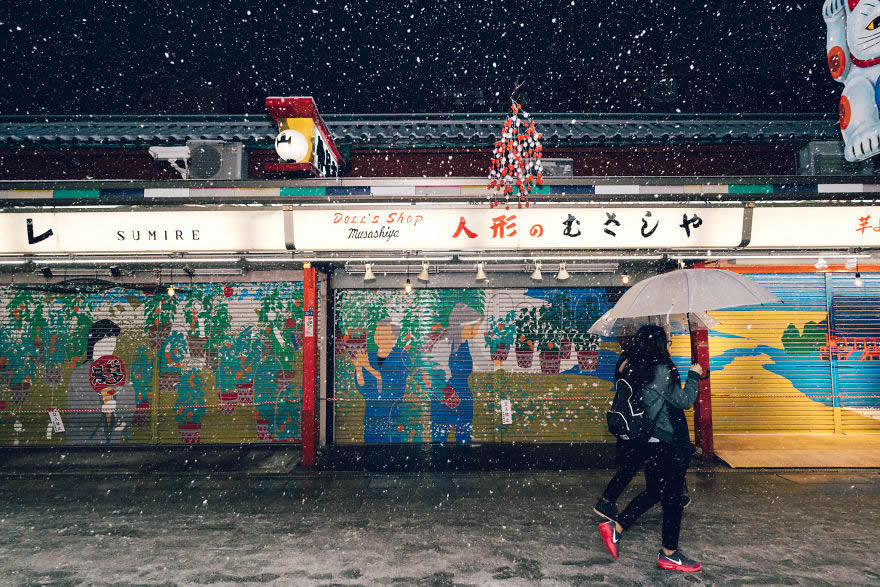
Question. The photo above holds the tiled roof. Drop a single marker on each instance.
(424, 129)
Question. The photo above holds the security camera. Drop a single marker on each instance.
(173, 155)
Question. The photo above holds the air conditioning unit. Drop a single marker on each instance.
(826, 158)
(558, 167)
(217, 160)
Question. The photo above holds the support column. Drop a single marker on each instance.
(703, 405)
(309, 374)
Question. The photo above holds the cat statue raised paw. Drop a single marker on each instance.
(853, 48)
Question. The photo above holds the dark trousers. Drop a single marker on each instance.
(630, 458)
(665, 468)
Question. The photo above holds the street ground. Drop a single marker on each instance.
(251, 519)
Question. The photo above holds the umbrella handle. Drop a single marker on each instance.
(705, 375)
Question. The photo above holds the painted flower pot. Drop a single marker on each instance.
(524, 358)
(168, 381)
(565, 349)
(549, 362)
(20, 391)
(209, 359)
(588, 360)
(158, 335)
(263, 431)
(245, 393)
(228, 401)
(356, 345)
(141, 414)
(282, 380)
(196, 345)
(54, 376)
(190, 432)
(500, 353)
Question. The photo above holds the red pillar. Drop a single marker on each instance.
(309, 376)
(703, 405)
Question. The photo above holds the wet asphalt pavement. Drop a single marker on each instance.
(417, 528)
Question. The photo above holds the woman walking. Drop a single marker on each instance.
(667, 452)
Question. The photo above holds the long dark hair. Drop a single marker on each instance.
(647, 351)
(100, 329)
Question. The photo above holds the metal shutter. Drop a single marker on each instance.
(855, 346)
(767, 373)
(432, 392)
(222, 356)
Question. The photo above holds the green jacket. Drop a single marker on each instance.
(666, 401)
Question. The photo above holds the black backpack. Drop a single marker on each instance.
(627, 419)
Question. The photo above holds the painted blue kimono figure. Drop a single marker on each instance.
(452, 407)
(380, 376)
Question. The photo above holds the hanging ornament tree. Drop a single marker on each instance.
(516, 161)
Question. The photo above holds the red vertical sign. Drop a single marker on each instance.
(309, 375)
(703, 405)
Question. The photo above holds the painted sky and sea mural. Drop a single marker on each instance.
(96, 363)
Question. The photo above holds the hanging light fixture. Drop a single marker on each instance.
(858, 280)
(481, 273)
(423, 275)
(563, 272)
(821, 264)
(368, 272)
(624, 278)
(536, 274)
(407, 287)
(171, 290)
(851, 263)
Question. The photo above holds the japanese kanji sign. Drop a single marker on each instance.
(533, 228)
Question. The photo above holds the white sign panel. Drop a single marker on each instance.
(57, 424)
(815, 227)
(409, 228)
(506, 412)
(142, 231)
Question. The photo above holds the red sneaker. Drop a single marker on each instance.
(677, 562)
(610, 536)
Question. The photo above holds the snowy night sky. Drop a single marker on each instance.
(414, 56)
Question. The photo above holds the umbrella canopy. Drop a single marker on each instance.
(609, 324)
(690, 290)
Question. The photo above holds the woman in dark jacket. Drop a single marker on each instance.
(668, 451)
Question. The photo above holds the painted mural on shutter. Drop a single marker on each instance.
(435, 365)
(214, 363)
(772, 370)
(854, 346)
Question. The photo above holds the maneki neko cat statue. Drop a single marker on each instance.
(853, 47)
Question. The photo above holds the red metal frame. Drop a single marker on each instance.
(309, 373)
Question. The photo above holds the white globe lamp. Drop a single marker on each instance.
(291, 145)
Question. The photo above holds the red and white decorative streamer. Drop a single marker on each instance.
(516, 161)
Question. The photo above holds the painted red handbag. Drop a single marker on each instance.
(450, 398)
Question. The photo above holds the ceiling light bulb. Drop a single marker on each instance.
(624, 278)
(858, 280)
(481, 273)
(423, 276)
(407, 287)
(536, 274)
(368, 272)
(821, 264)
(563, 272)
(171, 291)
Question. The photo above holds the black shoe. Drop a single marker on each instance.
(606, 509)
(685, 500)
(677, 562)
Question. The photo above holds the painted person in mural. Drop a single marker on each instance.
(631, 455)
(380, 376)
(100, 398)
(669, 449)
(453, 407)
